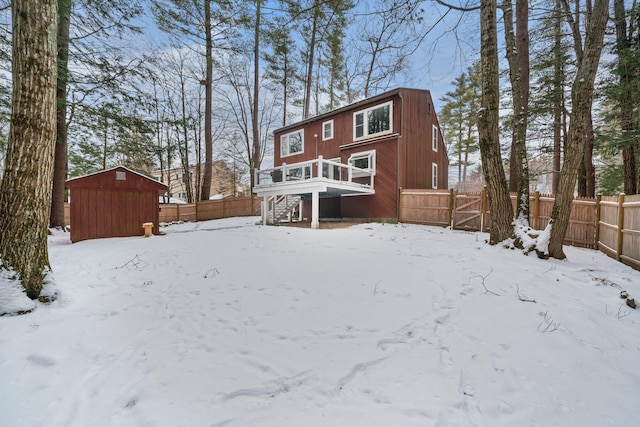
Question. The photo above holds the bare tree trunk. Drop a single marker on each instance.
(582, 98)
(519, 76)
(205, 192)
(184, 128)
(586, 177)
(587, 174)
(581, 187)
(589, 169)
(494, 176)
(25, 191)
(623, 45)
(56, 219)
(557, 97)
(285, 89)
(513, 163)
(311, 60)
(255, 156)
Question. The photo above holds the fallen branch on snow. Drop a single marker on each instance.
(483, 278)
(521, 298)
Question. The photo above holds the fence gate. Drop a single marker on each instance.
(467, 212)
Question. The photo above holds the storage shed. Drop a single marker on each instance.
(113, 203)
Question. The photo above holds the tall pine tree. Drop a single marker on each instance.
(25, 191)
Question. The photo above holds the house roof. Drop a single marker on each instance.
(353, 106)
(79, 179)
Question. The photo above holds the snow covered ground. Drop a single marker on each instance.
(228, 323)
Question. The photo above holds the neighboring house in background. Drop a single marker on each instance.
(224, 180)
(351, 162)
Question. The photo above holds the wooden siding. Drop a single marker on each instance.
(418, 119)
(384, 203)
(342, 132)
(107, 213)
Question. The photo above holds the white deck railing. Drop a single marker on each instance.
(314, 170)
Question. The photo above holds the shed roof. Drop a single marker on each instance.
(97, 178)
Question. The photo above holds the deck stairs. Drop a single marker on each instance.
(281, 207)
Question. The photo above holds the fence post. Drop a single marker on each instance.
(620, 225)
(483, 207)
(535, 220)
(178, 212)
(399, 204)
(597, 224)
(452, 204)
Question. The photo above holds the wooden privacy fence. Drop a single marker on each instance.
(611, 224)
(619, 228)
(212, 209)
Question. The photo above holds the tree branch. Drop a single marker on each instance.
(458, 8)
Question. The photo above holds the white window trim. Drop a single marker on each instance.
(434, 176)
(328, 122)
(365, 128)
(434, 138)
(372, 162)
(282, 137)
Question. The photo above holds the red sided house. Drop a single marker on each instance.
(113, 203)
(351, 162)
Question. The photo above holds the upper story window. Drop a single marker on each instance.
(327, 130)
(373, 121)
(292, 143)
(434, 138)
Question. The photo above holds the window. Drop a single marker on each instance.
(434, 175)
(292, 143)
(327, 130)
(365, 160)
(434, 138)
(373, 121)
